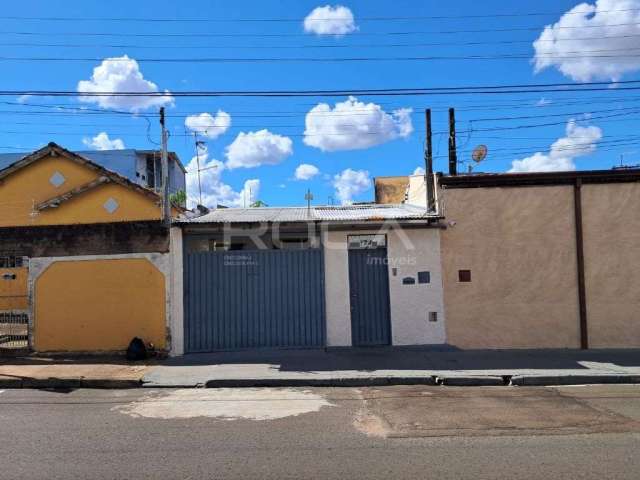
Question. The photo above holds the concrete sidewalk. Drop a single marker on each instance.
(397, 366)
(47, 372)
(334, 367)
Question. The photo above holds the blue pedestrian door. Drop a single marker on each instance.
(369, 291)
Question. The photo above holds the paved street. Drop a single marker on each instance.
(388, 432)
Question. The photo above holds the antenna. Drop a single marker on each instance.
(308, 197)
(198, 144)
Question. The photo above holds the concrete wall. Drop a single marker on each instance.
(391, 189)
(611, 224)
(76, 240)
(409, 251)
(519, 244)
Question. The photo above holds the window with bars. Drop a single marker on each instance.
(11, 261)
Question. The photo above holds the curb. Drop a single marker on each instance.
(550, 380)
(65, 383)
(319, 382)
(472, 381)
(450, 381)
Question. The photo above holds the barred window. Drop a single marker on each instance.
(10, 261)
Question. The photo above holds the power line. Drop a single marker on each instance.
(299, 20)
(471, 89)
(622, 111)
(602, 119)
(286, 35)
(515, 56)
(491, 105)
(312, 46)
(519, 127)
(528, 117)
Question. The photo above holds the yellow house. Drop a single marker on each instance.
(83, 252)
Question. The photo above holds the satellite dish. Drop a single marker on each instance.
(479, 153)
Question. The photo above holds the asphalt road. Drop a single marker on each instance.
(387, 433)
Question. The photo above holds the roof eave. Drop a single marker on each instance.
(539, 178)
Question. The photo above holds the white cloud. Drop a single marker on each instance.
(24, 98)
(103, 142)
(577, 142)
(350, 183)
(584, 43)
(121, 74)
(419, 171)
(214, 190)
(306, 171)
(208, 125)
(354, 125)
(329, 20)
(253, 149)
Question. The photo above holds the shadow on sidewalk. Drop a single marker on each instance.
(441, 358)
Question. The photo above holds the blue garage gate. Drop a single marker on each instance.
(254, 299)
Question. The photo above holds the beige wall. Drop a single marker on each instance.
(611, 223)
(409, 251)
(519, 244)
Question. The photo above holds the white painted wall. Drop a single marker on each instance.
(336, 287)
(409, 251)
(176, 285)
(417, 192)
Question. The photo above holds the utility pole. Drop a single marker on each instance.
(453, 155)
(195, 136)
(428, 158)
(166, 204)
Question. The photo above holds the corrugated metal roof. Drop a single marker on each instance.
(373, 212)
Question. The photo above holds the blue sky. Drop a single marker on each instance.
(395, 142)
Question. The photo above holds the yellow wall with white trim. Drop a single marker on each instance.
(99, 305)
(22, 190)
(14, 292)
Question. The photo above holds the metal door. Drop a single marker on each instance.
(369, 296)
(253, 299)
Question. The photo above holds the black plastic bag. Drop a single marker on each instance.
(137, 350)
